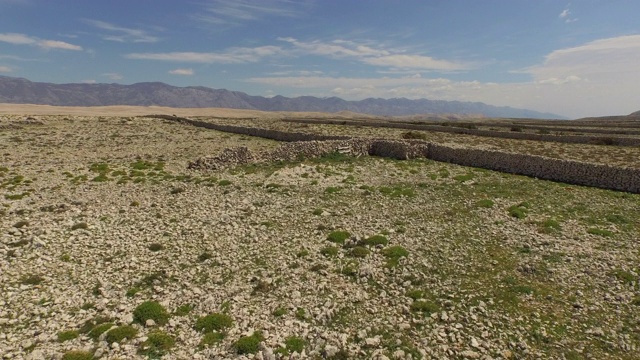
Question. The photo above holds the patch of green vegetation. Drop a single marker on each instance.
(600, 232)
(204, 256)
(624, 276)
(248, 344)
(183, 310)
(77, 355)
(376, 240)
(224, 182)
(359, 252)
(16, 196)
(333, 157)
(519, 211)
(209, 339)
(617, 219)
(120, 333)
(329, 251)
(99, 329)
(394, 254)
(156, 247)
(301, 314)
(80, 225)
(131, 292)
(292, 344)
(397, 191)
(281, 311)
(213, 322)
(463, 178)
(485, 203)
(157, 344)
(332, 189)
(415, 294)
(317, 212)
(150, 310)
(636, 300)
(424, 307)
(550, 226)
(68, 335)
(32, 279)
(338, 236)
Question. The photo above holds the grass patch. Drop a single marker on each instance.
(248, 344)
(118, 334)
(376, 240)
(329, 251)
(485, 203)
(157, 344)
(600, 232)
(67, 335)
(213, 322)
(292, 344)
(359, 252)
(150, 310)
(209, 339)
(77, 355)
(338, 236)
(424, 307)
(394, 254)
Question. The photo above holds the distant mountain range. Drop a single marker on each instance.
(22, 91)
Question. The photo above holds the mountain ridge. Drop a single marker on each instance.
(20, 90)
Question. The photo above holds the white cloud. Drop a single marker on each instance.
(113, 76)
(593, 79)
(122, 34)
(365, 53)
(5, 69)
(235, 12)
(231, 56)
(22, 39)
(181, 72)
(566, 15)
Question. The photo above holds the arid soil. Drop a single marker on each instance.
(336, 257)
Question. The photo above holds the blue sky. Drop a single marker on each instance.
(578, 58)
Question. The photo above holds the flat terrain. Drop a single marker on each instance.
(336, 257)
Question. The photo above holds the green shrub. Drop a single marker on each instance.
(600, 232)
(376, 240)
(151, 310)
(209, 339)
(332, 190)
(214, 322)
(415, 294)
(156, 247)
(81, 225)
(281, 311)
(317, 212)
(248, 344)
(97, 330)
(32, 279)
(158, 343)
(485, 203)
(393, 254)
(68, 335)
(329, 251)
(204, 256)
(359, 252)
(549, 226)
(224, 182)
(120, 333)
(183, 310)
(92, 323)
(518, 211)
(338, 237)
(425, 307)
(292, 344)
(77, 355)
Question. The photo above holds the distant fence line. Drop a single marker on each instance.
(572, 139)
(311, 145)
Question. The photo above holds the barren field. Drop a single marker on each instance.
(111, 249)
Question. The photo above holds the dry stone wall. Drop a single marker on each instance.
(573, 172)
(573, 139)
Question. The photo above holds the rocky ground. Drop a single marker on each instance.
(335, 257)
